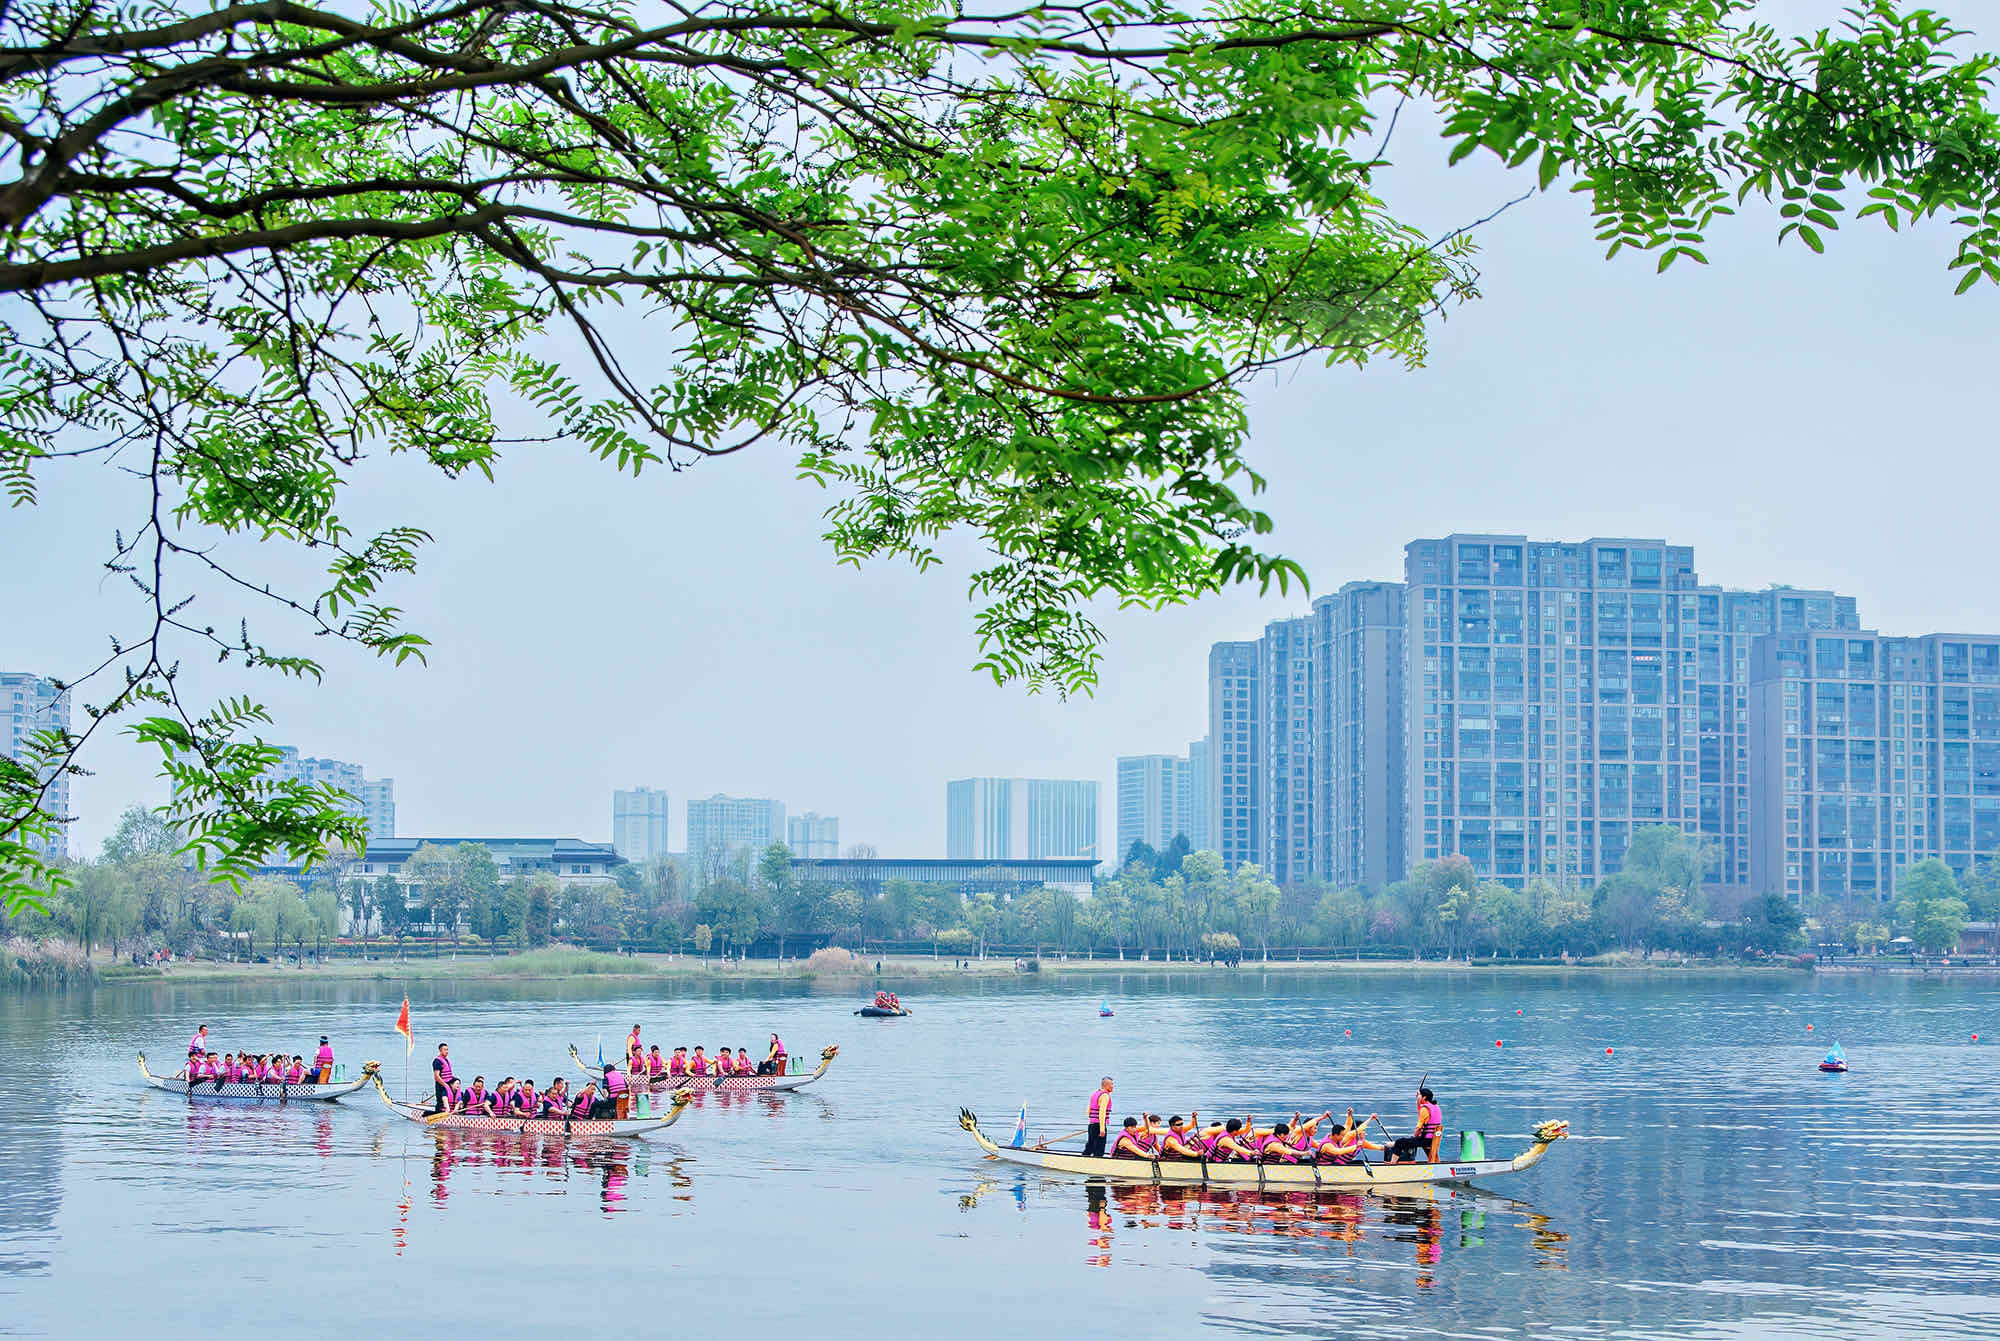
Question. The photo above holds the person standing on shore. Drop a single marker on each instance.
(1100, 1119)
(441, 1076)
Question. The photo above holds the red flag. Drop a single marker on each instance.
(403, 1027)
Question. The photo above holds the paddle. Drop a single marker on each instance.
(1039, 1145)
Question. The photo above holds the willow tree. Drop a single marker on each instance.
(1001, 272)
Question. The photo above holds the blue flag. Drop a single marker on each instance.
(1021, 1128)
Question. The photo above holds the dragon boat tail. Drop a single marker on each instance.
(568, 1128)
(1359, 1177)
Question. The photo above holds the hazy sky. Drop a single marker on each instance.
(1817, 421)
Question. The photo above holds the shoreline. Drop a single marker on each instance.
(666, 968)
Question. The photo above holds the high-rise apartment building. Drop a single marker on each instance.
(813, 835)
(1286, 717)
(1155, 801)
(1236, 754)
(1028, 818)
(1563, 694)
(639, 823)
(1868, 754)
(1201, 819)
(1360, 793)
(1727, 624)
(1553, 701)
(373, 799)
(1523, 704)
(30, 704)
(723, 825)
(378, 807)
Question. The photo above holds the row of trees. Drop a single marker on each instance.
(140, 895)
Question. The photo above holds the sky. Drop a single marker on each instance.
(1819, 421)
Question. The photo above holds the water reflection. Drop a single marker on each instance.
(546, 1165)
(1419, 1225)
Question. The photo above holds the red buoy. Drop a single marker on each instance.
(1809, 1029)
(1607, 1052)
(1496, 1042)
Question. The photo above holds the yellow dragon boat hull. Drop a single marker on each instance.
(1273, 1177)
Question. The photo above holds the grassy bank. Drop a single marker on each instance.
(27, 965)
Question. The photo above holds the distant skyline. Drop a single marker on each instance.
(1809, 420)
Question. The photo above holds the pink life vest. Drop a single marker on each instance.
(744, 1066)
(697, 1065)
(677, 1065)
(655, 1063)
(1100, 1109)
(198, 1045)
(325, 1057)
(614, 1083)
(1142, 1140)
(581, 1108)
(1430, 1121)
(235, 1070)
(296, 1075)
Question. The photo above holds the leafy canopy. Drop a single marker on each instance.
(1002, 272)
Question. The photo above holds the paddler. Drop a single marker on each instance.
(774, 1057)
(1229, 1143)
(587, 1102)
(198, 1045)
(323, 1062)
(725, 1065)
(616, 1090)
(744, 1066)
(1423, 1141)
(1179, 1142)
(1346, 1143)
(441, 1077)
(698, 1064)
(656, 1065)
(635, 1053)
(677, 1065)
(477, 1101)
(1099, 1116)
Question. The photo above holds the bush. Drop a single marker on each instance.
(562, 961)
(836, 961)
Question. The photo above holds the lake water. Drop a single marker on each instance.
(1720, 1185)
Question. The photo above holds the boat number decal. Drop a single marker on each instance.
(1462, 1173)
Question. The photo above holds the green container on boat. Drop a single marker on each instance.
(1471, 1146)
(339, 1071)
(645, 1105)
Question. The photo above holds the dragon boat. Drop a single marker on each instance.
(883, 1012)
(1358, 1177)
(569, 1128)
(258, 1091)
(686, 1084)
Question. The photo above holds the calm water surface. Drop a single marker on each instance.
(1721, 1185)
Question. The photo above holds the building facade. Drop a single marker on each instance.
(570, 860)
(1155, 801)
(639, 822)
(1201, 820)
(721, 826)
(1004, 876)
(378, 806)
(1287, 721)
(1020, 818)
(30, 704)
(372, 799)
(1360, 791)
(1236, 758)
(813, 835)
(1868, 754)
